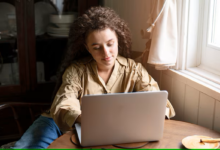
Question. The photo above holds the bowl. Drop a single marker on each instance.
(66, 18)
(42, 11)
(63, 25)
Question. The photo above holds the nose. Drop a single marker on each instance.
(106, 50)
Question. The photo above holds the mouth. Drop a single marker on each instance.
(107, 58)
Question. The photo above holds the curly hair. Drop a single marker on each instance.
(96, 18)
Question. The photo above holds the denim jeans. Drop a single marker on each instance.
(40, 134)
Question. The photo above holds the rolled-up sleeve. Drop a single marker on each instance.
(146, 83)
(66, 105)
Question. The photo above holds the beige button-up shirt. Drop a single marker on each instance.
(81, 78)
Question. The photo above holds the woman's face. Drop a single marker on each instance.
(103, 46)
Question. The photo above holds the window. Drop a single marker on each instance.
(210, 59)
(201, 36)
(214, 24)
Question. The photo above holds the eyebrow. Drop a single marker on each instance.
(98, 43)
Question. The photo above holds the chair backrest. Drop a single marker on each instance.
(16, 117)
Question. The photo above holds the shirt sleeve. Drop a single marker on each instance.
(146, 83)
(66, 105)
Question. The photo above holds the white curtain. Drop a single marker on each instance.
(161, 35)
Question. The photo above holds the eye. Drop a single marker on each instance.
(110, 44)
(96, 48)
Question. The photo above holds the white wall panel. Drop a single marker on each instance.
(156, 74)
(178, 94)
(149, 68)
(191, 105)
(166, 84)
(208, 90)
(217, 117)
(206, 110)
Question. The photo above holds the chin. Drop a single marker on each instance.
(108, 64)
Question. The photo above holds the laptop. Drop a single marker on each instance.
(122, 118)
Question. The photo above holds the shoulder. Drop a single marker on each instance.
(77, 67)
(129, 64)
(81, 64)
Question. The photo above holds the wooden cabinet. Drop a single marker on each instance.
(29, 59)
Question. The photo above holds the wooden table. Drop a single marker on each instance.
(174, 132)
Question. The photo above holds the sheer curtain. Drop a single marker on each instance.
(161, 35)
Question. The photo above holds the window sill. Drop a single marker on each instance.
(205, 76)
(199, 82)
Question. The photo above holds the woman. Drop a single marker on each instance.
(97, 62)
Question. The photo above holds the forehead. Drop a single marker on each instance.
(99, 36)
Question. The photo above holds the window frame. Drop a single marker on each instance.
(209, 44)
(191, 26)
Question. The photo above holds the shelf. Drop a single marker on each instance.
(48, 37)
(43, 37)
(10, 40)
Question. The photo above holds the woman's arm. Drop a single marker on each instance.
(65, 109)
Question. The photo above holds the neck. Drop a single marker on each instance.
(105, 73)
(104, 68)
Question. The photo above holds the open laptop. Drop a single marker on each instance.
(122, 118)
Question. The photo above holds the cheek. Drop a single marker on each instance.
(115, 49)
(96, 54)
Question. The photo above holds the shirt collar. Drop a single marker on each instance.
(122, 60)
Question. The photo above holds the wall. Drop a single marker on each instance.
(192, 101)
(135, 13)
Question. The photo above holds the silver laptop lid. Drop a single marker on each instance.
(122, 118)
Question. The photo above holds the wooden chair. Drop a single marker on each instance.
(16, 117)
